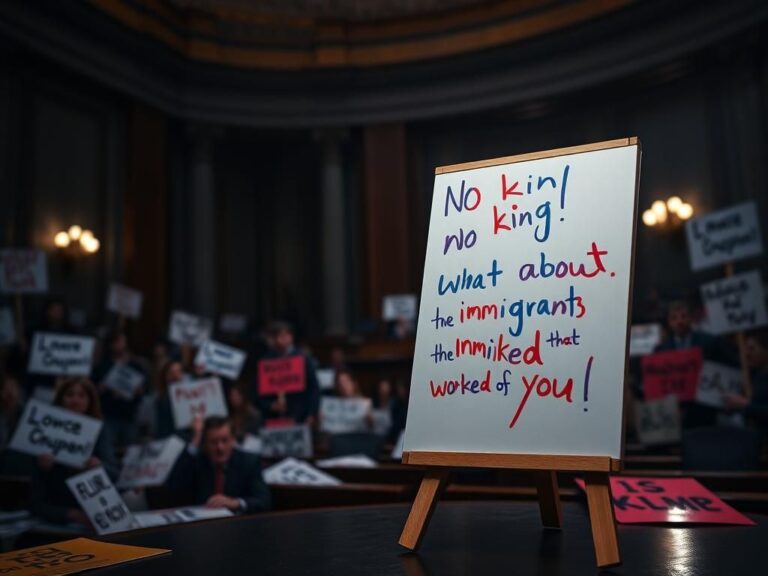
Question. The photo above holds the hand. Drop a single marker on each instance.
(77, 516)
(735, 401)
(45, 462)
(92, 462)
(197, 430)
(280, 405)
(222, 501)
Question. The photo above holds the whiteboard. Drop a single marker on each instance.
(505, 405)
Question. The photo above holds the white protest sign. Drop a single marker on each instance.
(220, 359)
(286, 441)
(643, 339)
(124, 300)
(341, 415)
(399, 307)
(382, 421)
(735, 303)
(43, 429)
(352, 461)
(397, 449)
(724, 236)
(251, 444)
(178, 516)
(658, 421)
(326, 377)
(522, 331)
(7, 328)
(100, 501)
(233, 323)
(196, 398)
(44, 394)
(188, 329)
(124, 380)
(716, 380)
(61, 354)
(298, 473)
(23, 271)
(149, 464)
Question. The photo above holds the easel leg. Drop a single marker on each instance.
(601, 517)
(429, 492)
(549, 499)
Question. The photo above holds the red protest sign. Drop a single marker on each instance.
(281, 375)
(670, 500)
(673, 372)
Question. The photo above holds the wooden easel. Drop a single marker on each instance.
(597, 486)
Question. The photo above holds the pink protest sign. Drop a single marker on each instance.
(673, 372)
(639, 500)
(281, 375)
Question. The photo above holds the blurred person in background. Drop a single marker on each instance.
(52, 500)
(756, 407)
(244, 418)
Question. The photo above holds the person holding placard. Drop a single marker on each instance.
(244, 417)
(211, 472)
(51, 499)
(302, 407)
(119, 406)
(161, 411)
(681, 337)
(756, 408)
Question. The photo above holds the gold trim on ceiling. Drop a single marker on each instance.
(249, 39)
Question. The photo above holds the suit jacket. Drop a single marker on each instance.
(193, 480)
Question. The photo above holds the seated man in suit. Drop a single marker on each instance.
(211, 472)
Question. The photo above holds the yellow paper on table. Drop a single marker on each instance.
(70, 556)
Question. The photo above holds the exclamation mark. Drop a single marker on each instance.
(586, 381)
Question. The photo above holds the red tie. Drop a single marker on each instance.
(218, 480)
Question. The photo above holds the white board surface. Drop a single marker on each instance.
(495, 251)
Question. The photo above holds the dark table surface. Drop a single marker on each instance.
(481, 538)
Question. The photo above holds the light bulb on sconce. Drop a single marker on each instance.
(669, 214)
(75, 240)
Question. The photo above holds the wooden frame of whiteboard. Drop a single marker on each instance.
(595, 467)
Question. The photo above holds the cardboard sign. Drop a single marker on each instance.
(61, 354)
(643, 339)
(71, 557)
(7, 327)
(124, 380)
(724, 236)
(673, 372)
(298, 473)
(251, 444)
(149, 464)
(382, 421)
(522, 329)
(100, 501)
(286, 441)
(638, 500)
(716, 380)
(196, 398)
(736, 303)
(342, 415)
(326, 378)
(220, 359)
(658, 421)
(233, 323)
(124, 300)
(399, 307)
(353, 461)
(23, 271)
(178, 516)
(43, 429)
(282, 375)
(188, 330)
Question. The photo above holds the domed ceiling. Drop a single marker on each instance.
(302, 34)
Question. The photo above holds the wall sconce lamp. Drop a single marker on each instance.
(671, 213)
(76, 240)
